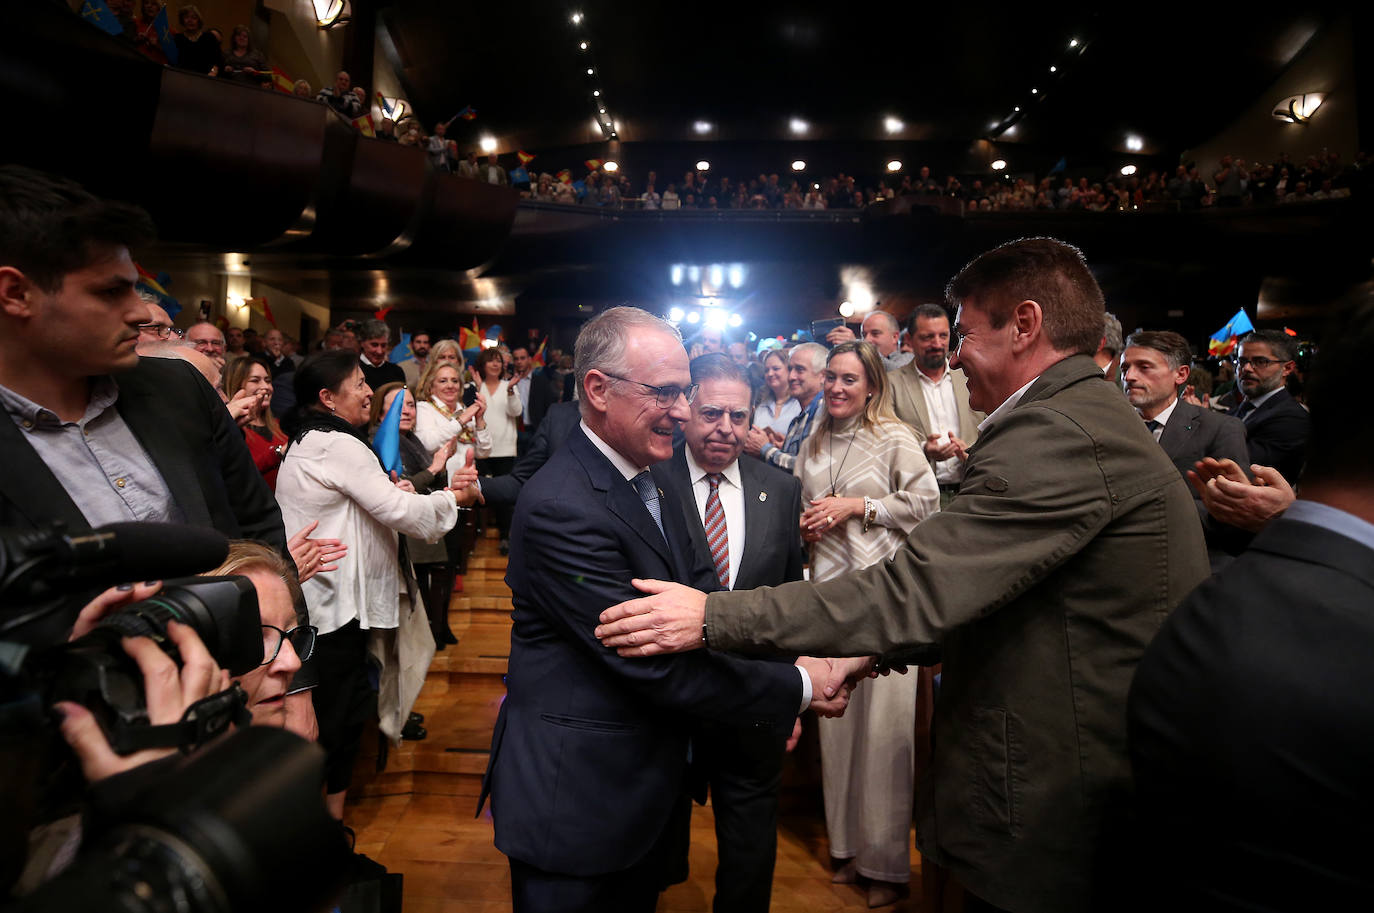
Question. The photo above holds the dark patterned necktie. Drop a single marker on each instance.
(648, 493)
(717, 536)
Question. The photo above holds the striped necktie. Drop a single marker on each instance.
(648, 493)
(717, 536)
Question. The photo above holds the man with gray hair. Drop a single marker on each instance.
(805, 371)
(1108, 355)
(376, 341)
(881, 329)
(580, 723)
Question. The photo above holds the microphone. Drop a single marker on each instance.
(38, 565)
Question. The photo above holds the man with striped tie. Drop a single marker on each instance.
(743, 519)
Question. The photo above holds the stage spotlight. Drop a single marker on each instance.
(676, 315)
(846, 309)
(798, 126)
(675, 273)
(736, 320)
(894, 166)
(999, 165)
(703, 165)
(799, 165)
(892, 124)
(488, 143)
(611, 166)
(701, 126)
(693, 317)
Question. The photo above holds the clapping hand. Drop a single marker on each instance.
(314, 556)
(243, 404)
(463, 482)
(443, 455)
(756, 440)
(1232, 498)
(403, 484)
(950, 448)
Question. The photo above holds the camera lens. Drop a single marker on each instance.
(223, 611)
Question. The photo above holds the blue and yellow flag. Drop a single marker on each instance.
(387, 441)
(99, 15)
(164, 36)
(1223, 341)
(402, 350)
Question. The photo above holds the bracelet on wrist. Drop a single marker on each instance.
(870, 512)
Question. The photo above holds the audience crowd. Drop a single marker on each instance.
(380, 549)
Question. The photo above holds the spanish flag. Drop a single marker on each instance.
(283, 83)
(538, 357)
(592, 164)
(365, 126)
(260, 306)
(524, 157)
(470, 339)
(565, 176)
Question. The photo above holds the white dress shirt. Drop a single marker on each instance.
(335, 478)
(435, 429)
(1009, 404)
(1162, 418)
(502, 410)
(942, 413)
(731, 494)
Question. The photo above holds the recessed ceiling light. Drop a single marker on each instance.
(999, 165)
(799, 165)
(1128, 170)
(894, 166)
(1017, 108)
(1073, 42)
(576, 18)
(1035, 91)
(702, 126)
(1054, 69)
(1134, 143)
(596, 93)
(589, 71)
(893, 124)
(611, 166)
(797, 125)
(583, 45)
(488, 143)
(703, 165)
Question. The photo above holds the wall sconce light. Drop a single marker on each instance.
(1298, 109)
(329, 13)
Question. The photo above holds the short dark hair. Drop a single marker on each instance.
(926, 312)
(51, 226)
(490, 353)
(1284, 347)
(1044, 270)
(1340, 445)
(717, 366)
(325, 370)
(1166, 342)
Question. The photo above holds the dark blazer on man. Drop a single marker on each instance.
(560, 421)
(589, 756)
(193, 442)
(743, 768)
(1071, 539)
(1193, 433)
(1251, 724)
(1276, 434)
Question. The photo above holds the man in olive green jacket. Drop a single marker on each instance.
(1071, 539)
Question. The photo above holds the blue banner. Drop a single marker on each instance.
(387, 441)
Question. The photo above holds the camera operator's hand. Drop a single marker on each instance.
(113, 598)
(168, 691)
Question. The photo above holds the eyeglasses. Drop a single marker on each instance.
(214, 345)
(664, 396)
(1259, 362)
(302, 639)
(160, 331)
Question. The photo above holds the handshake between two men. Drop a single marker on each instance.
(671, 619)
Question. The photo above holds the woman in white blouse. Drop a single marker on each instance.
(504, 408)
(777, 406)
(440, 415)
(331, 475)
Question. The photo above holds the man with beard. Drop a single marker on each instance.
(932, 398)
(1275, 423)
(414, 366)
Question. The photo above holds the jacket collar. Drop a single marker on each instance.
(621, 498)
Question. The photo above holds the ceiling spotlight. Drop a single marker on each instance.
(736, 320)
(583, 45)
(797, 125)
(596, 93)
(736, 273)
(799, 165)
(576, 18)
(716, 274)
(846, 309)
(614, 135)
(694, 273)
(1017, 109)
(1073, 42)
(894, 166)
(1054, 69)
(611, 166)
(1134, 143)
(999, 165)
(488, 143)
(1128, 169)
(892, 124)
(716, 317)
(703, 165)
(994, 125)
(675, 274)
(1035, 91)
(676, 315)
(702, 126)
(602, 110)
(590, 71)
(693, 317)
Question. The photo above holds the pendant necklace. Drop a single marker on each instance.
(834, 472)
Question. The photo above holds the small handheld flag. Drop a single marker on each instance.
(592, 164)
(524, 157)
(538, 357)
(1223, 341)
(99, 15)
(387, 441)
(164, 37)
(468, 113)
(402, 350)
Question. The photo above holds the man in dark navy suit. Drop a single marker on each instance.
(589, 757)
(1251, 716)
(743, 518)
(1275, 423)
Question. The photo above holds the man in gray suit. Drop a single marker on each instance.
(743, 518)
(1154, 367)
(932, 398)
(1071, 539)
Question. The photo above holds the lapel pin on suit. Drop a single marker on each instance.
(763, 496)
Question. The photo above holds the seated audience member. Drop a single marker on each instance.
(301, 89)
(197, 49)
(1251, 717)
(243, 62)
(331, 476)
(776, 406)
(1154, 368)
(250, 379)
(92, 423)
(1275, 423)
(341, 97)
(376, 347)
(427, 471)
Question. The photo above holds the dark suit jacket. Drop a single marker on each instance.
(1276, 435)
(560, 421)
(1251, 725)
(772, 511)
(1071, 539)
(1193, 433)
(195, 445)
(589, 756)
